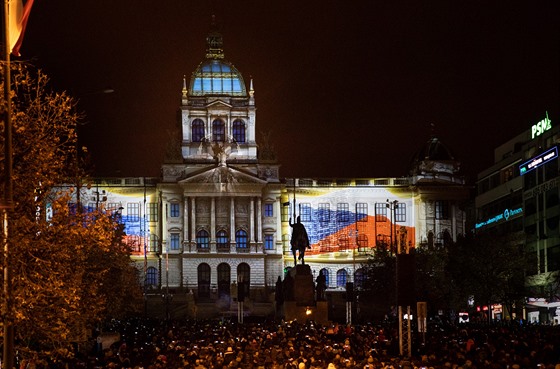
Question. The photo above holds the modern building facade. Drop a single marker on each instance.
(519, 195)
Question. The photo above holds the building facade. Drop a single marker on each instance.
(519, 195)
(221, 214)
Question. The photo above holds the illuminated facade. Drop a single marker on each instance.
(220, 213)
(519, 195)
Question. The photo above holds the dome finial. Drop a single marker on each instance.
(214, 42)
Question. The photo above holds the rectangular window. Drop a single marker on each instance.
(342, 212)
(361, 212)
(133, 212)
(400, 212)
(174, 241)
(152, 211)
(442, 210)
(324, 213)
(153, 245)
(285, 212)
(380, 212)
(268, 210)
(174, 210)
(268, 242)
(305, 212)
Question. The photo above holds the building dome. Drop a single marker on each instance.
(434, 158)
(215, 75)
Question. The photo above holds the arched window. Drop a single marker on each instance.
(341, 277)
(203, 280)
(222, 240)
(359, 278)
(197, 128)
(326, 273)
(218, 131)
(224, 279)
(202, 240)
(243, 278)
(151, 277)
(238, 130)
(241, 239)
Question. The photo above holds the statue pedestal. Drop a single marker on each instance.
(303, 306)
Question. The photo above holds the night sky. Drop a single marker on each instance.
(346, 88)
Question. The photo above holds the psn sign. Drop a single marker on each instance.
(541, 127)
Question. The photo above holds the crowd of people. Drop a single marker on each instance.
(296, 345)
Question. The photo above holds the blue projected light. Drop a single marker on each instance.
(539, 160)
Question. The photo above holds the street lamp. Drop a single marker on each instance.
(392, 205)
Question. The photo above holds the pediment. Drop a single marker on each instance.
(219, 104)
(222, 175)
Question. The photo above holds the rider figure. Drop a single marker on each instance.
(300, 240)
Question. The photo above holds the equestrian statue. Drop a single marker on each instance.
(299, 241)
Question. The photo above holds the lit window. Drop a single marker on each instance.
(152, 276)
(268, 242)
(268, 210)
(342, 213)
(174, 241)
(174, 210)
(324, 213)
(361, 212)
(306, 212)
(133, 212)
(197, 130)
(380, 212)
(400, 212)
(241, 239)
(202, 239)
(341, 277)
(222, 239)
(152, 211)
(218, 131)
(238, 130)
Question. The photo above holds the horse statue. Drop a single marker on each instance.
(299, 241)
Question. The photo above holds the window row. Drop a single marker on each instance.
(238, 130)
(324, 214)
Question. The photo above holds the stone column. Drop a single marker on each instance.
(193, 222)
(186, 243)
(232, 224)
(252, 221)
(213, 224)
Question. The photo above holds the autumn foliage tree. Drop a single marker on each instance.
(70, 269)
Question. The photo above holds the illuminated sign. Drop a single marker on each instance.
(541, 127)
(508, 213)
(539, 160)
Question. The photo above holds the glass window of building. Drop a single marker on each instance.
(380, 212)
(400, 212)
(442, 209)
(342, 212)
(361, 212)
(268, 210)
(324, 212)
(152, 211)
(152, 277)
(306, 212)
(241, 239)
(222, 239)
(197, 127)
(174, 210)
(268, 242)
(174, 241)
(132, 212)
(238, 130)
(202, 240)
(218, 131)
(341, 277)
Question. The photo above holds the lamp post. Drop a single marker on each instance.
(392, 205)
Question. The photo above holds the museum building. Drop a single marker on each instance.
(219, 217)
